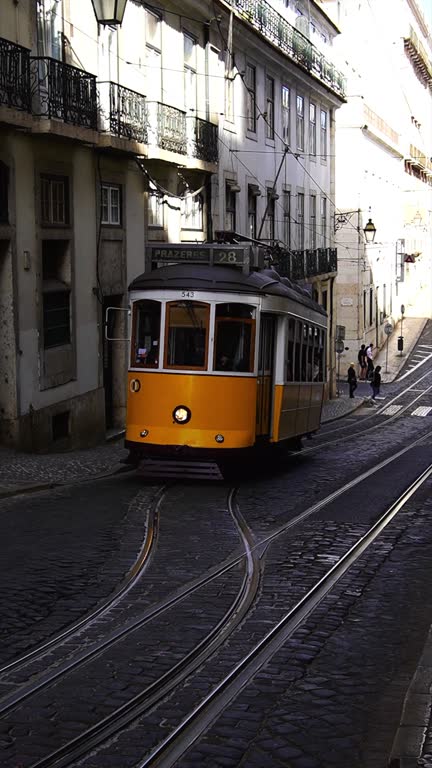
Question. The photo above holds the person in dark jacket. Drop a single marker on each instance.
(362, 361)
(376, 381)
(352, 380)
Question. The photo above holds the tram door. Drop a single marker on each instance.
(265, 375)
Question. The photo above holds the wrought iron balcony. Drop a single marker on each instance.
(14, 76)
(122, 112)
(278, 31)
(205, 141)
(63, 92)
(167, 127)
(300, 265)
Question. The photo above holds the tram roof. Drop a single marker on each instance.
(224, 279)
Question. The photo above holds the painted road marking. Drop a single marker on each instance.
(422, 411)
(391, 410)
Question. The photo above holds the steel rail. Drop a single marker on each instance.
(160, 688)
(174, 746)
(119, 593)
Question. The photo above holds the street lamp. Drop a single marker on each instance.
(341, 219)
(370, 231)
(109, 11)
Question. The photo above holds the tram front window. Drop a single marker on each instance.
(146, 334)
(187, 336)
(234, 338)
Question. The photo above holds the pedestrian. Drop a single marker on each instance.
(362, 361)
(369, 358)
(352, 380)
(376, 381)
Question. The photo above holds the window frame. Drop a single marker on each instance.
(66, 292)
(133, 344)
(230, 210)
(286, 113)
(312, 129)
(300, 123)
(50, 180)
(250, 83)
(323, 134)
(166, 365)
(270, 106)
(312, 221)
(110, 188)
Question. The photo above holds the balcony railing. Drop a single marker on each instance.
(14, 76)
(167, 127)
(300, 265)
(205, 143)
(63, 92)
(122, 112)
(278, 31)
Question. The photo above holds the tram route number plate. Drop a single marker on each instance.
(205, 254)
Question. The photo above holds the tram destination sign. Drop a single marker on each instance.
(236, 255)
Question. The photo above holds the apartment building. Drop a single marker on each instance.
(184, 120)
(383, 166)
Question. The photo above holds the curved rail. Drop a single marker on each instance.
(156, 691)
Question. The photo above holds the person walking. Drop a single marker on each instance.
(376, 382)
(362, 361)
(352, 380)
(369, 359)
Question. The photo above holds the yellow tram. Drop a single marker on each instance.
(221, 361)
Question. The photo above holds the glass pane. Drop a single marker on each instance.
(146, 334)
(56, 319)
(234, 350)
(187, 334)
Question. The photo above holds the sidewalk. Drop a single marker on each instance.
(391, 362)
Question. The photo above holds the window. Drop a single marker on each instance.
(271, 204)
(187, 334)
(234, 338)
(146, 334)
(270, 107)
(289, 373)
(286, 118)
(300, 123)
(56, 313)
(312, 221)
(153, 57)
(323, 135)
(155, 207)
(312, 129)
(190, 79)
(111, 205)
(56, 293)
(287, 217)
(4, 196)
(252, 211)
(250, 79)
(230, 208)
(371, 301)
(324, 221)
(54, 201)
(229, 87)
(192, 214)
(300, 221)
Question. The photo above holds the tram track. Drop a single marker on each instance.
(131, 579)
(189, 730)
(137, 708)
(161, 687)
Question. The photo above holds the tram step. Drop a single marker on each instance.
(168, 468)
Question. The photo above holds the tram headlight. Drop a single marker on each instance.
(219, 438)
(181, 414)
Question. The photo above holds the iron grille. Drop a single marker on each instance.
(128, 114)
(206, 141)
(63, 92)
(14, 76)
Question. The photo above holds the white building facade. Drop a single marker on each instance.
(188, 119)
(383, 167)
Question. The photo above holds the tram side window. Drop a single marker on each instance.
(187, 334)
(297, 350)
(234, 338)
(146, 334)
(318, 366)
(290, 350)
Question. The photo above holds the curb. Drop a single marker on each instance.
(20, 489)
(361, 402)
